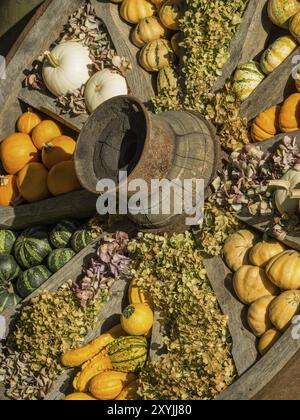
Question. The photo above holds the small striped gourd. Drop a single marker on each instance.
(167, 79)
(59, 258)
(133, 11)
(246, 79)
(32, 247)
(280, 11)
(156, 55)
(32, 279)
(9, 270)
(62, 233)
(128, 354)
(277, 53)
(148, 30)
(7, 241)
(8, 298)
(81, 239)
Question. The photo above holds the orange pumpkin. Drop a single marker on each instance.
(62, 178)
(32, 182)
(27, 122)
(289, 117)
(58, 150)
(8, 190)
(16, 151)
(45, 132)
(266, 124)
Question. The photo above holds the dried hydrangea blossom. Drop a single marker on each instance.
(243, 184)
(208, 28)
(85, 27)
(108, 264)
(199, 364)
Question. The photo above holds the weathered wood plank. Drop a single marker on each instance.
(157, 347)
(262, 223)
(78, 204)
(244, 342)
(276, 87)
(249, 40)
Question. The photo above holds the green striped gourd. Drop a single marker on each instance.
(295, 26)
(32, 247)
(167, 79)
(8, 298)
(280, 11)
(156, 55)
(81, 239)
(9, 270)
(246, 79)
(7, 241)
(59, 258)
(61, 235)
(128, 354)
(277, 53)
(32, 279)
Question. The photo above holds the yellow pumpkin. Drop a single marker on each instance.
(45, 132)
(289, 117)
(251, 283)
(277, 53)
(268, 340)
(80, 396)
(262, 253)
(75, 358)
(58, 150)
(8, 190)
(32, 182)
(138, 295)
(27, 122)
(171, 12)
(284, 308)
(137, 319)
(284, 270)
(258, 315)
(129, 393)
(149, 29)
(108, 385)
(156, 55)
(133, 11)
(237, 247)
(62, 178)
(16, 151)
(266, 124)
(167, 79)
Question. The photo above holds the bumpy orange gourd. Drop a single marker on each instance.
(284, 270)
(8, 190)
(284, 308)
(170, 13)
(45, 132)
(268, 340)
(77, 357)
(262, 253)
(58, 150)
(16, 151)
(133, 11)
(266, 124)
(62, 178)
(108, 385)
(289, 117)
(27, 122)
(251, 283)
(149, 29)
(32, 182)
(258, 315)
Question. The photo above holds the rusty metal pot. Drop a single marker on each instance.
(121, 135)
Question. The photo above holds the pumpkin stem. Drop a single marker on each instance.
(52, 60)
(281, 184)
(48, 147)
(295, 194)
(3, 181)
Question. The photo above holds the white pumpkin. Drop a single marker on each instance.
(286, 198)
(104, 85)
(65, 68)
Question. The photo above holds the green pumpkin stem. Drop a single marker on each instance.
(52, 60)
(280, 183)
